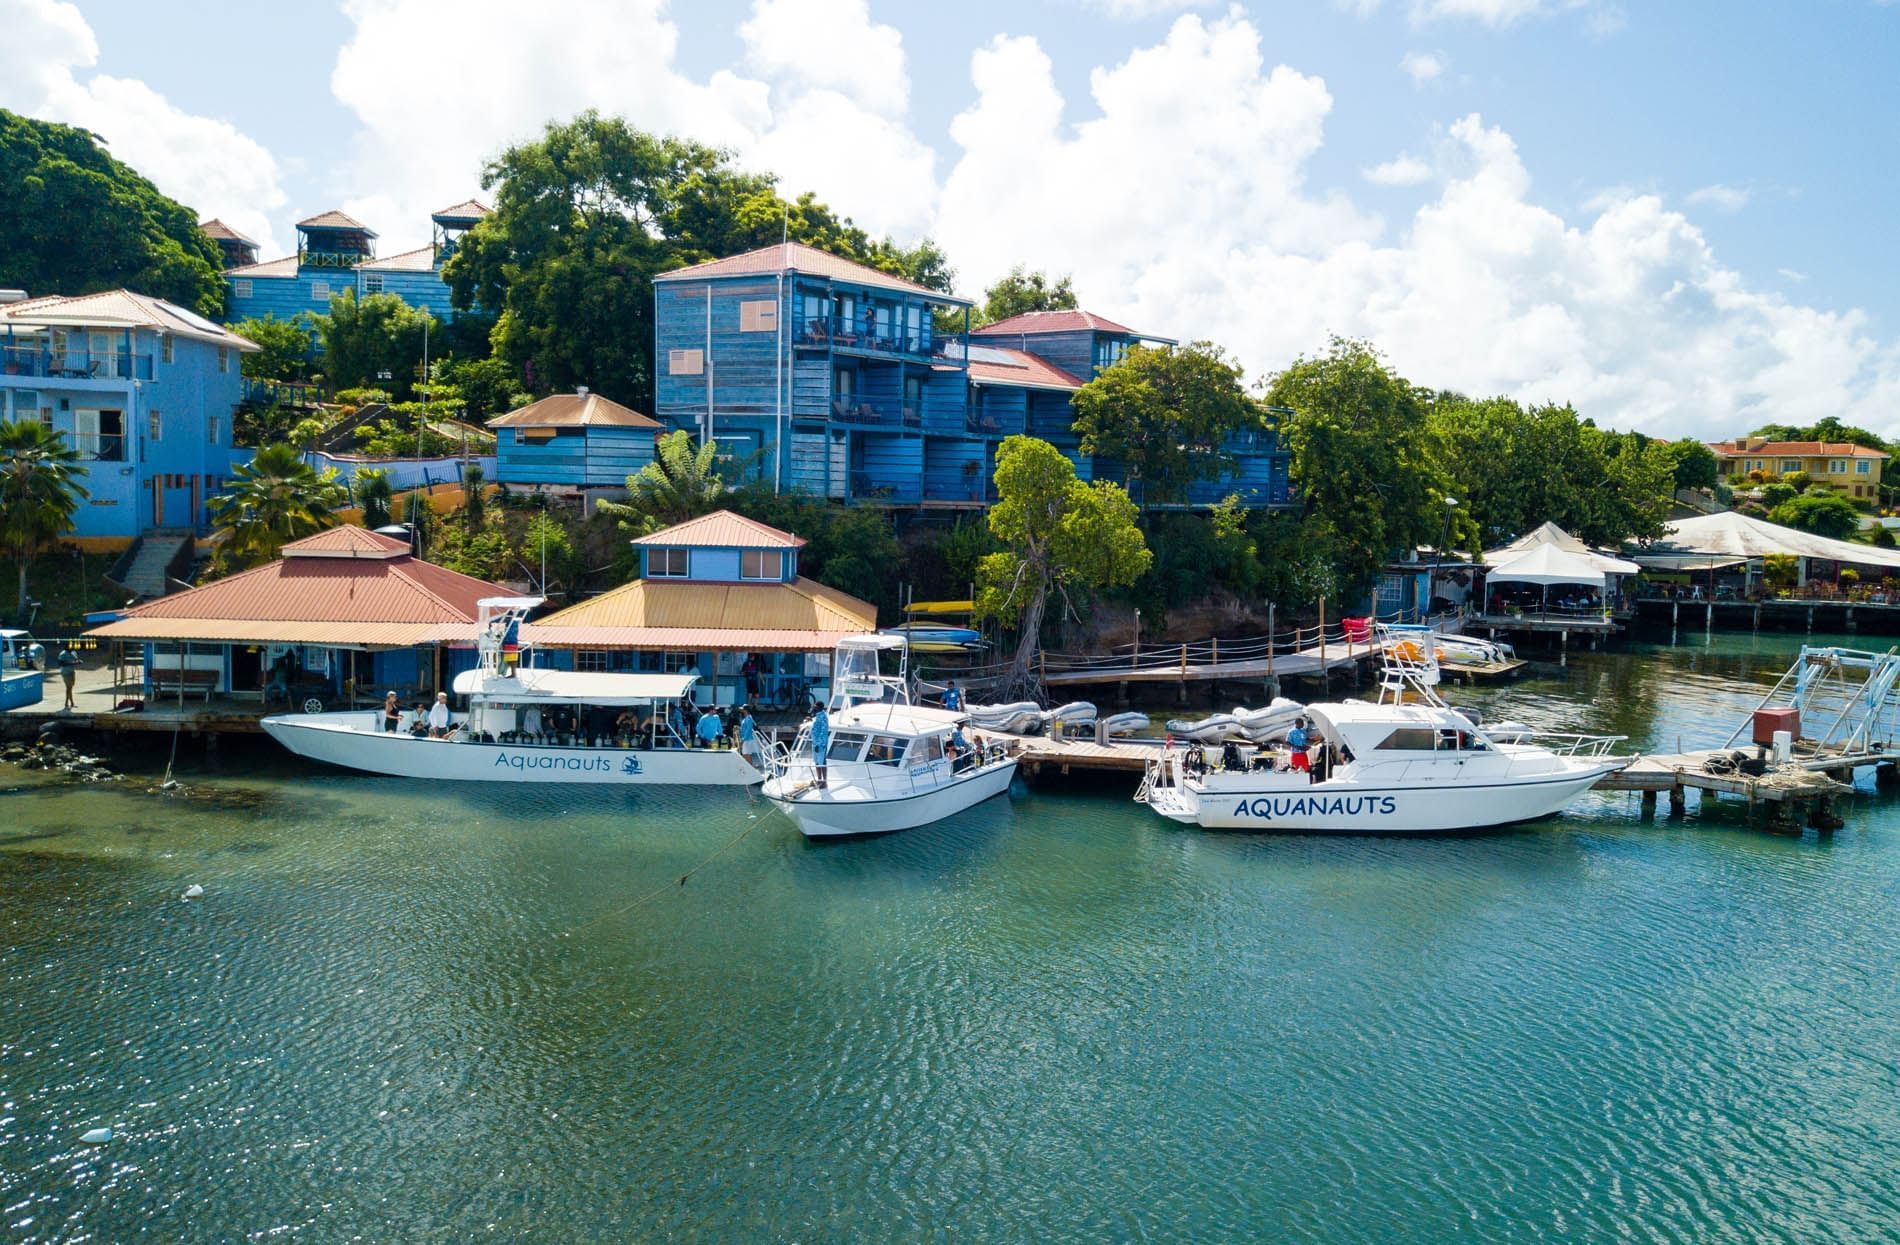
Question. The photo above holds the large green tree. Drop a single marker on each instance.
(73, 220)
(1021, 290)
(590, 212)
(1824, 514)
(1165, 415)
(1058, 535)
(285, 353)
(274, 499)
(1355, 431)
(39, 492)
(368, 336)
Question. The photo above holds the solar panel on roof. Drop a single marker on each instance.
(194, 319)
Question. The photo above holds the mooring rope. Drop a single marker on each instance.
(664, 888)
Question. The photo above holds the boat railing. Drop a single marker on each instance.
(1565, 744)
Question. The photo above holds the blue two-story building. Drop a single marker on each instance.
(829, 376)
(146, 392)
(337, 252)
(576, 444)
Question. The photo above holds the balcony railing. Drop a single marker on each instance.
(842, 332)
(943, 485)
(865, 487)
(876, 413)
(38, 361)
(99, 447)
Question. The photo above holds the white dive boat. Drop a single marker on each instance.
(890, 764)
(1389, 767)
(526, 725)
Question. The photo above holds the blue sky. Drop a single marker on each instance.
(1673, 215)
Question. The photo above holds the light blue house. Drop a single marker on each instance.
(829, 376)
(337, 252)
(146, 392)
(578, 444)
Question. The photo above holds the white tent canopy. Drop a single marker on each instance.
(1739, 537)
(1549, 535)
(1547, 564)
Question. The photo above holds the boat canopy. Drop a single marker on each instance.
(1363, 726)
(575, 687)
(872, 640)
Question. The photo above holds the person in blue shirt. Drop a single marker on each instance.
(820, 743)
(676, 722)
(1297, 739)
(749, 739)
(708, 729)
(953, 697)
(959, 747)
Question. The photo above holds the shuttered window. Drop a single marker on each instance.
(240, 288)
(758, 316)
(685, 362)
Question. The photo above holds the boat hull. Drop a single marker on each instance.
(845, 811)
(1357, 808)
(341, 739)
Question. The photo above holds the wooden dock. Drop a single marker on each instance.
(1157, 667)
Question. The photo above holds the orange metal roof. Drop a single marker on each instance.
(1069, 321)
(346, 541)
(722, 529)
(797, 257)
(1796, 449)
(278, 631)
(998, 365)
(574, 410)
(682, 639)
(712, 610)
(335, 220)
(467, 209)
(215, 228)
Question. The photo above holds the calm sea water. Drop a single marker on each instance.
(415, 1012)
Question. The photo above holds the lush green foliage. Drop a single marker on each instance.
(1695, 463)
(272, 500)
(364, 338)
(1780, 570)
(1823, 513)
(1020, 291)
(488, 387)
(681, 483)
(40, 491)
(1165, 414)
(286, 348)
(374, 494)
(77, 221)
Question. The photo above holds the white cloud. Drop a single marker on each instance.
(1723, 198)
(201, 161)
(1601, 17)
(1792, 274)
(1422, 67)
(1134, 10)
(829, 44)
(1398, 171)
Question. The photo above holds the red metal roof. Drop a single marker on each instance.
(797, 257)
(1796, 449)
(998, 365)
(1034, 322)
(215, 228)
(722, 529)
(346, 541)
(335, 220)
(574, 410)
(467, 209)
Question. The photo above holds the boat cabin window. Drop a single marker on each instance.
(844, 747)
(885, 750)
(927, 749)
(1409, 739)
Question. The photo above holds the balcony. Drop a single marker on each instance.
(867, 488)
(860, 412)
(952, 486)
(842, 333)
(99, 447)
(41, 362)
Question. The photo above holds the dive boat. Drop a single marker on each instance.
(1389, 767)
(525, 725)
(890, 765)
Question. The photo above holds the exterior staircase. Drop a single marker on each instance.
(159, 556)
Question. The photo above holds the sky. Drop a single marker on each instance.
(1673, 215)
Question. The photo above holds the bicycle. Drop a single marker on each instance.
(795, 694)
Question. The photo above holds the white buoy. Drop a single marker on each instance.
(194, 891)
(97, 1137)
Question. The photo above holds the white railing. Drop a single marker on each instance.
(1564, 744)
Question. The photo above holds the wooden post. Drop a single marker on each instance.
(184, 658)
(1678, 801)
(1324, 681)
(1649, 803)
(1214, 656)
(1269, 640)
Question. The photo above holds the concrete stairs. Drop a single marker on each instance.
(145, 571)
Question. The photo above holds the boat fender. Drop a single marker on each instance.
(194, 891)
(96, 1136)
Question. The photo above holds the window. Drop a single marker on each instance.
(666, 564)
(224, 358)
(26, 403)
(214, 429)
(1862, 467)
(758, 316)
(241, 287)
(1109, 352)
(593, 660)
(845, 746)
(372, 283)
(761, 564)
(165, 347)
(1790, 464)
(685, 362)
(844, 384)
(1409, 739)
(679, 663)
(915, 323)
(1837, 466)
(152, 424)
(885, 750)
(320, 290)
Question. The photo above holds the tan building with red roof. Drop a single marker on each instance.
(345, 604)
(1852, 469)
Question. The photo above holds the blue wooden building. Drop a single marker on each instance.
(574, 443)
(825, 375)
(146, 391)
(336, 252)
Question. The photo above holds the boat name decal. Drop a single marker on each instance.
(526, 761)
(1318, 806)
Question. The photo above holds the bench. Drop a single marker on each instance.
(173, 680)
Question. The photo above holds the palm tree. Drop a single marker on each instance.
(274, 499)
(39, 491)
(680, 483)
(374, 495)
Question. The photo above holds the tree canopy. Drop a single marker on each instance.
(39, 491)
(1823, 513)
(1021, 291)
(365, 337)
(1165, 415)
(285, 348)
(274, 499)
(682, 482)
(78, 221)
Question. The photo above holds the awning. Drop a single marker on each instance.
(280, 631)
(1547, 564)
(683, 639)
(1739, 536)
(1689, 561)
(1551, 534)
(579, 686)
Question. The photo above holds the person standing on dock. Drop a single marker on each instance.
(820, 744)
(68, 671)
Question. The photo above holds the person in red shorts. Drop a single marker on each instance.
(1297, 740)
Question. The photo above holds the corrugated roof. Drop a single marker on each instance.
(347, 541)
(121, 309)
(681, 639)
(997, 365)
(467, 209)
(797, 257)
(215, 228)
(710, 610)
(574, 410)
(422, 259)
(1068, 321)
(722, 529)
(1796, 449)
(282, 631)
(1733, 535)
(335, 220)
(285, 267)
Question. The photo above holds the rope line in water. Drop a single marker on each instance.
(662, 889)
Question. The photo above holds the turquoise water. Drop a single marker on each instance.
(405, 1012)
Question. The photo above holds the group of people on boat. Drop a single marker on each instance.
(677, 724)
(1307, 752)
